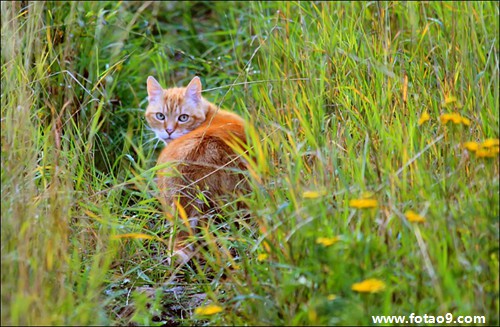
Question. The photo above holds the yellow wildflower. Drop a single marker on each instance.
(327, 241)
(423, 118)
(363, 203)
(471, 146)
(449, 100)
(488, 152)
(488, 143)
(262, 257)
(371, 285)
(414, 217)
(444, 118)
(331, 297)
(488, 149)
(208, 310)
(454, 118)
(482, 153)
(313, 194)
(465, 121)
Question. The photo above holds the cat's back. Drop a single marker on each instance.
(209, 141)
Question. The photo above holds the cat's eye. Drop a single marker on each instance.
(183, 118)
(160, 116)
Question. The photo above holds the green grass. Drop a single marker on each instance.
(333, 92)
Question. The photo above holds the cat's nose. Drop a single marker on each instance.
(170, 130)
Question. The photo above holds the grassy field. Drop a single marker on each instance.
(361, 115)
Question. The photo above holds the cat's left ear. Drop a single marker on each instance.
(193, 90)
(155, 91)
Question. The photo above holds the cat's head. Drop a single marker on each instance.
(174, 112)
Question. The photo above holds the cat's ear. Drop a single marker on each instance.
(193, 90)
(155, 91)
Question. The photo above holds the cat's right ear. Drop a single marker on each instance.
(193, 90)
(155, 91)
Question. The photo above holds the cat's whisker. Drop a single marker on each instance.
(155, 138)
(148, 141)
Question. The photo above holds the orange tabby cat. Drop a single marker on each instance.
(198, 136)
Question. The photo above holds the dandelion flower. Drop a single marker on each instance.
(471, 146)
(425, 117)
(363, 203)
(327, 241)
(488, 153)
(371, 285)
(331, 297)
(262, 257)
(488, 149)
(465, 121)
(449, 100)
(455, 118)
(488, 143)
(208, 310)
(413, 217)
(313, 194)
(444, 118)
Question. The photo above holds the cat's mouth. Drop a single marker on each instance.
(167, 139)
(170, 137)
